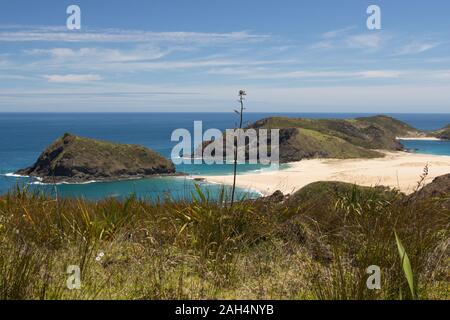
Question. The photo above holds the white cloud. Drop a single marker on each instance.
(401, 76)
(365, 41)
(416, 48)
(72, 78)
(380, 74)
(442, 75)
(140, 60)
(48, 34)
(150, 68)
(342, 39)
(265, 73)
(100, 54)
(323, 45)
(337, 33)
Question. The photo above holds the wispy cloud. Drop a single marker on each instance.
(109, 68)
(363, 77)
(337, 75)
(137, 60)
(366, 40)
(72, 78)
(416, 47)
(345, 38)
(337, 33)
(57, 34)
(445, 75)
(100, 54)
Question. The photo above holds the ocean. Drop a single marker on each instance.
(23, 136)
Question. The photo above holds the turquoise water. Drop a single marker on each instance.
(157, 188)
(24, 135)
(428, 147)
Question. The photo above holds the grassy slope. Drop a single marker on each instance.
(316, 245)
(127, 154)
(378, 132)
(339, 138)
(330, 191)
(328, 146)
(397, 127)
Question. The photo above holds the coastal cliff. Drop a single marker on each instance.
(76, 159)
(444, 133)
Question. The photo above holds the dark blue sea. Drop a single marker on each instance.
(23, 136)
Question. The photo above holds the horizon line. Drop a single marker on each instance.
(213, 112)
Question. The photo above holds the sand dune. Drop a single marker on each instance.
(399, 170)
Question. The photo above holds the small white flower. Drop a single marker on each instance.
(98, 258)
(101, 254)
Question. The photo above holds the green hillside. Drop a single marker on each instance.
(336, 138)
(75, 159)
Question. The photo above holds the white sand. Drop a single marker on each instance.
(399, 170)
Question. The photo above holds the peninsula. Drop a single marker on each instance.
(366, 151)
(359, 138)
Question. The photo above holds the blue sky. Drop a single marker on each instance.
(166, 55)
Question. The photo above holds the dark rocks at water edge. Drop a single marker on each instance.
(74, 159)
(444, 133)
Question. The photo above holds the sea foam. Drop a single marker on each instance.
(13, 175)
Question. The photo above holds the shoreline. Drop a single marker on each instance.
(39, 181)
(419, 139)
(400, 170)
(69, 181)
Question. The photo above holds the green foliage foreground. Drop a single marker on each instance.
(317, 244)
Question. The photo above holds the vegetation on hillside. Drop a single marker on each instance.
(444, 133)
(315, 244)
(76, 159)
(377, 132)
(303, 138)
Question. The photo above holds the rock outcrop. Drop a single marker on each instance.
(75, 159)
(438, 188)
(444, 133)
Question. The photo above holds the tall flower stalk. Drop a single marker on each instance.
(240, 112)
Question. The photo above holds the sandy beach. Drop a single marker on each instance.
(399, 170)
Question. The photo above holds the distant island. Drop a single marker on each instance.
(75, 159)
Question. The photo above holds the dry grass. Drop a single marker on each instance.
(317, 248)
